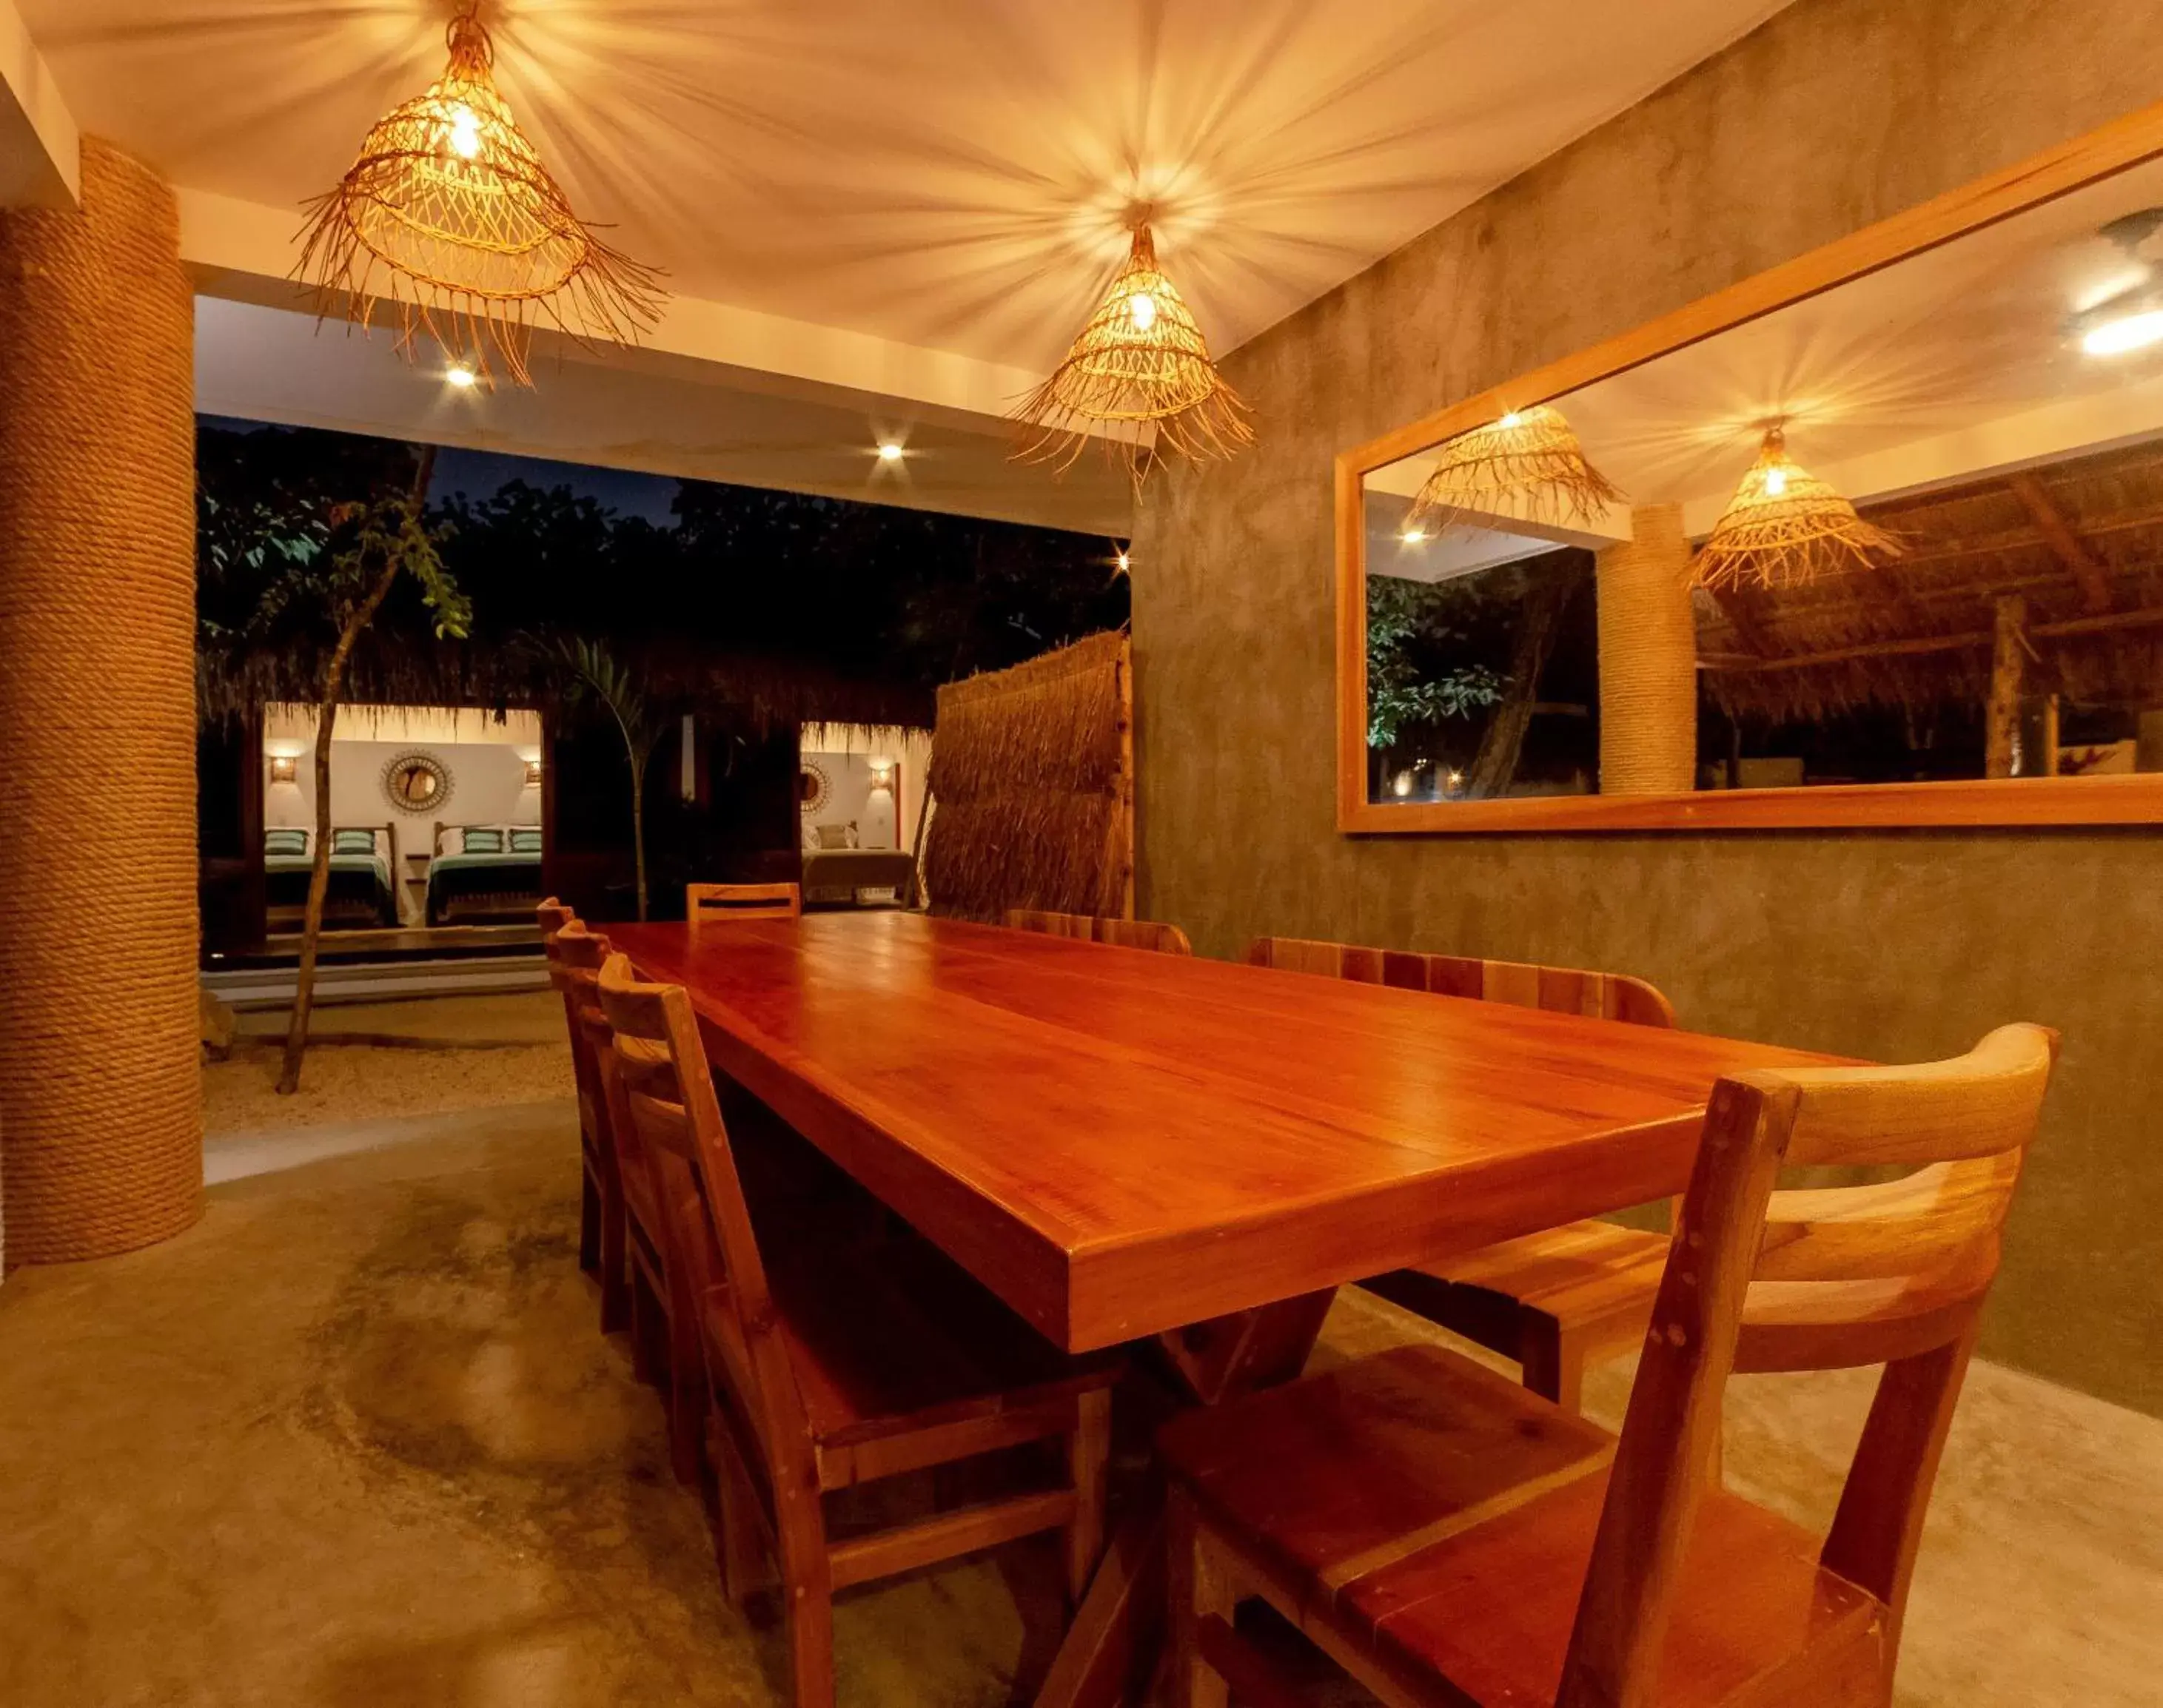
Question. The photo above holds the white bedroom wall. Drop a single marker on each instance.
(884, 817)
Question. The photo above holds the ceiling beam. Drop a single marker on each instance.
(40, 149)
(2085, 567)
(2107, 623)
(2014, 539)
(244, 252)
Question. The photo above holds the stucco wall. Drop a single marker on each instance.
(1835, 114)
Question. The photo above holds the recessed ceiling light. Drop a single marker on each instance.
(890, 452)
(1413, 536)
(1123, 562)
(2126, 333)
(459, 375)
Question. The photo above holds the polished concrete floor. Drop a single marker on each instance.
(354, 1439)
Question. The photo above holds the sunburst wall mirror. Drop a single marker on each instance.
(417, 782)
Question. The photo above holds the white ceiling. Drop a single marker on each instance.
(916, 202)
(1951, 366)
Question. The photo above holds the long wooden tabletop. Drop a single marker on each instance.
(1119, 1143)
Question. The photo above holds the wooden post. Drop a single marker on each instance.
(2008, 659)
(2047, 761)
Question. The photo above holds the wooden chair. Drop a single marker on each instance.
(600, 1199)
(836, 1365)
(1126, 933)
(1447, 1537)
(703, 902)
(1559, 989)
(659, 1303)
(1554, 1301)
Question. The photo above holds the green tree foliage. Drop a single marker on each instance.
(865, 591)
(1423, 663)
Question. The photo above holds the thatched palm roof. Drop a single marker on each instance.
(2080, 542)
(757, 695)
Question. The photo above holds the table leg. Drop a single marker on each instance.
(1112, 1648)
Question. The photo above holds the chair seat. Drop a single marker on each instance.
(1581, 1271)
(889, 1338)
(1438, 1520)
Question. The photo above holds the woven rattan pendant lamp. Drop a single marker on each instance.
(1528, 464)
(450, 214)
(1140, 364)
(1784, 526)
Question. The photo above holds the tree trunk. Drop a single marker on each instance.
(1496, 762)
(319, 874)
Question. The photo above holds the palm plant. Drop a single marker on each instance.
(597, 677)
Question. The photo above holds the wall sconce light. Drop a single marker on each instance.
(285, 768)
(532, 772)
(881, 773)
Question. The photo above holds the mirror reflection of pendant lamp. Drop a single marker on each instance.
(1528, 464)
(1784, 527)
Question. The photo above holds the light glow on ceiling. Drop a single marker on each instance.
(2126, 333)
(460, 378)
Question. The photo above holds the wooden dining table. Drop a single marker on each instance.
(1124, 1145)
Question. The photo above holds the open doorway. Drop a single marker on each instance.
(862, 803)
(436, 825)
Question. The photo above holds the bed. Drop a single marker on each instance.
(362, 891)
(858, 877)
(484, 872)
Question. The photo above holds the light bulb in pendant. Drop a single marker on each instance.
(465, 133)
(1141, 309)
(1776, 482)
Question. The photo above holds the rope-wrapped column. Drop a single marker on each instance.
(101, 1124)
(1647, 660)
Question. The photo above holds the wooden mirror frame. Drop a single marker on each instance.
(2132, 141)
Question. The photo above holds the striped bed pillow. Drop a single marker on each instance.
(481, 838)
(284, 841)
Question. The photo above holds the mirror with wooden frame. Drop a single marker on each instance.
(1876, 538)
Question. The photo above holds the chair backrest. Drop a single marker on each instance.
(1560, 989)
(575, 955)
(728, 902)
(1764, 1280)
(1090, 928)
(551, 916)
(661, 1090)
